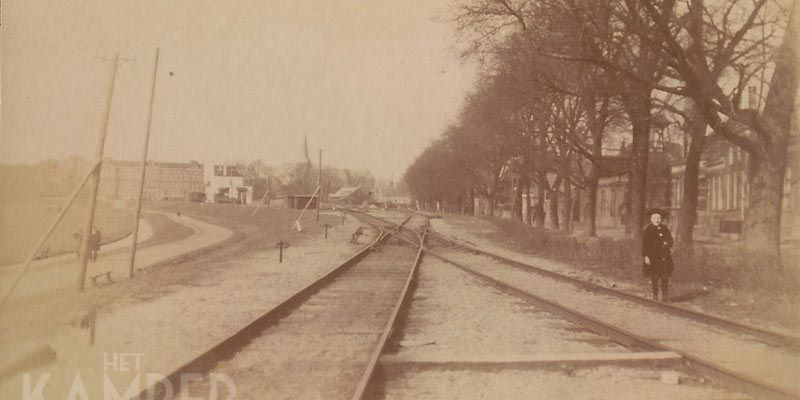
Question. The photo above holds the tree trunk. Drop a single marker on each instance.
(762, 225)
(638, 106)
(528, 208)
(597, 121)
(687, 216)
(567, 225)
(539, 208)
(554, 209)
(517, 193)
(590, 209)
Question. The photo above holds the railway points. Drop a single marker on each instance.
(763, 366)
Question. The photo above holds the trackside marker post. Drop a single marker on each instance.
(281, 245)
(326, 229)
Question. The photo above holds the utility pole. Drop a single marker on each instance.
(95, 182)
(319, 184)
(118, 172)
(143, 172)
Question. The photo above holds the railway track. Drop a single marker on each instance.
(324, 341)
(754, 361)
(767, 336)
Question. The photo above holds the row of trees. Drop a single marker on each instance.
(562, 78)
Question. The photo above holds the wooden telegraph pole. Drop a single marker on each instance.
(95, 183)
(319, 184)
(143, 172)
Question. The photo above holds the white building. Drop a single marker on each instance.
(224, 184)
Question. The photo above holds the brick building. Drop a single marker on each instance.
(163, 180)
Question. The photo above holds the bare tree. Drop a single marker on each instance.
(727, 55)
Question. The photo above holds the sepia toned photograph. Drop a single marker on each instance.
(441, 199)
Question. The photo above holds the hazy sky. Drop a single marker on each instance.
(371, 82)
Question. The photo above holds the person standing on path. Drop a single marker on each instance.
(77, 237)
(94, 243)
(656, 246)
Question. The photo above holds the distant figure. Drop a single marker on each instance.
(77, 236)
(354, 238)
(94, 243)
(656, 245)
(178, 214)
(44, 252)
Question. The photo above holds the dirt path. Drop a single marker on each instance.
(47, 277)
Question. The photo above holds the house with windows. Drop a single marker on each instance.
(723, 189)
(224, 184)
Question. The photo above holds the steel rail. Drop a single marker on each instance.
(747, 384)
(775, 338)
(750, 385)
(391, 325)
(232, 344)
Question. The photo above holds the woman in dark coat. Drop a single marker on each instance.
(656, 245)
(94, 243)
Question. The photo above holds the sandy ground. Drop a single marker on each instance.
(173, 312)
(565, 383)
(453, 315)
(774, 365)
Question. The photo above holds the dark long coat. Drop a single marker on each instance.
(656, 244)
(94, 241)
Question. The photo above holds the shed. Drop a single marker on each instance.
(299, 201)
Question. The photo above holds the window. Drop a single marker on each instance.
(787, 188)
(752, 97)
(745, 189)
(738, 194)
(612, 211)
(602, 202)
(711, 193)
(726, 205)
